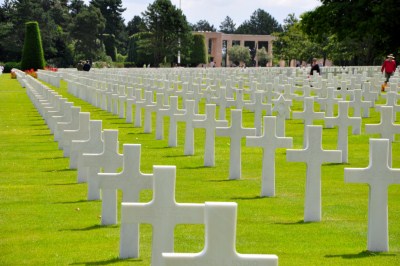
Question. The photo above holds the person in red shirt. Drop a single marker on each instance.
(389, 66)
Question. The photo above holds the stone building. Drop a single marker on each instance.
(218, 43)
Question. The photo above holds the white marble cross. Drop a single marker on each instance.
(130, 180)
(139, 103)
(358, 103)
(269, 141)
(82, 133)
(188, 117)
(149, 107)
(162, 212)
(94, 144)
(173, 127)
(258, 107)
(209, 123)
(69, 121)
(223, 102)
(327, 104)
(343, 121)
(314, 156)
(391, 100)
(220, 242)
(282, 107)
(308, 115)
(159, 118)
(236, 132)
(109, 160)
(378, 175)
(386, 128)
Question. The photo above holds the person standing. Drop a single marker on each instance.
(389, 66)
(315, 67)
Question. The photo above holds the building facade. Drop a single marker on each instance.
(218, 44)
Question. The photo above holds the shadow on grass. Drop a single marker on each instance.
(93, 227)
(52, 158)
(60, 170)
(196, 167)
(42, 135)
(294, 223)
(362, 254)
(106, 262)
(249, 198)
(64, 184)
(72, 202)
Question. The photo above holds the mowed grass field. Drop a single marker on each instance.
(45, 218)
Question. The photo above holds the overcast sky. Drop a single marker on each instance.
(215, 11)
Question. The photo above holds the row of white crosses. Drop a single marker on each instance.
(163, 213)
(315, 198)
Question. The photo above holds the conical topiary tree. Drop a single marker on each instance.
(199, 50)
(32, 53)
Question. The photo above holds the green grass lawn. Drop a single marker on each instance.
(45, 218)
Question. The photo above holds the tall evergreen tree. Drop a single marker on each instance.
(32, 54)
(168, 26)
(260, 23)
(112, 12)
(227, 26)
(203, 25)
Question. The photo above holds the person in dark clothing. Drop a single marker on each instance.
(315, 67)
(86, 66)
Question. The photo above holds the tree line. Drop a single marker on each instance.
(346, 32)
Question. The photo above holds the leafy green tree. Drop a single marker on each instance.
(199, 50)
(52, 17)
(86, 29)
(293, 43)
(371, 24)
(170, 31)
(137, 51)
(32, 54)
(112, 12)
(75, 7)
(227, 26)
(239, 54)
(262, 56)
(135, 25)
(261, 23)
(203, 25)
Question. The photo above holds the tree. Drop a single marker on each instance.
(114, 24)
(170, 31)
(260, 23)
(203, 25)
(86, 30)
(135, 25)
(368, 23)
(199, 50)
(32, 54)
(227, 26)
(137, 51)
(293, 43)
(262, 56)
(239, 54)
(75, 7)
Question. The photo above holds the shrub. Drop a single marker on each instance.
(129, 64)
(10, 65)
(32, 53)
(199, 50)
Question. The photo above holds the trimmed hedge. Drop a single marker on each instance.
(32, 53)
(199, 50)
(10, 65)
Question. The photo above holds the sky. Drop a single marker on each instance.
(215, 11)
